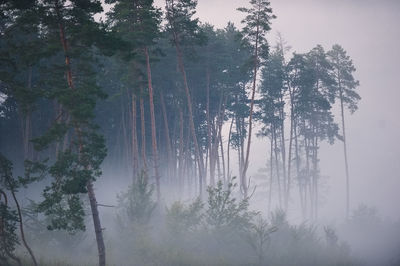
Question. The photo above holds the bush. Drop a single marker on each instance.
(136, 205)
(224, 214)
(181, 219)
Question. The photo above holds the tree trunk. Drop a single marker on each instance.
(246, 161)
(21, 224)
(181, 147)
(212, 155)
(125, 148)
(27, 133)
(135, 148)
(271, 162)
(97, 225)
(228, 151)
(278, 176)
(222, 156)
(307, 182)
(167, 137)
(345, 156)
(208, 126)
(153, 126)
(300, 179)
(316, 176)
(289, 172)
(283, 154)
(143, 131)
(216, 131)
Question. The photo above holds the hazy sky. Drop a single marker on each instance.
(369, 31)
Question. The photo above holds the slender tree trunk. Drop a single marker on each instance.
(218, 164)
(97, 225)
(166, 128)
(290, 150)
(222, 157)
(243, 180)
(143, 130)
(218, 137)
(212, 155)
(228, 151)
(27, 133)
(21, 224)
(289, 168)
(208, 125)
(346, 164)
(216, 131)
(135, 149)
(278, 176)
(283, 154)
(153, 126)
(66, 137)
(58, 110)
(308, 183)
(246, 161)
(300, 179)
(271, 162)
(316, 176)
(125, 149)
(181, 147)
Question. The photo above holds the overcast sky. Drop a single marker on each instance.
(369, 31)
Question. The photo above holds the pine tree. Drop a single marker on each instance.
(345, 91)
(257, 25)
(70, 35)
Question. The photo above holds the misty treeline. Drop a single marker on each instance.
(163, 99)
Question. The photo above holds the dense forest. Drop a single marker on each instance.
(168, 109)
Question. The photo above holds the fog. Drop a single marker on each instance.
(369, 32)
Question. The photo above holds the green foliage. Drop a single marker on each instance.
(79, 163)
(183, 28)
(8, 217)
(8, 237)
(34, 171)
(36, 224)
(346, 84)
(65, 211)
(6, 179)
(33, 83)
(181, 219)
(257, 24)
(72, 171)
(54, 134)
(224, 214)
(138, 23)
